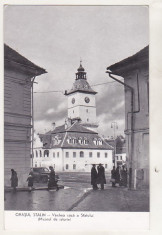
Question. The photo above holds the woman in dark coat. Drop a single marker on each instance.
(14, 179)
(94, 177)
(101, 176)
(51, 182)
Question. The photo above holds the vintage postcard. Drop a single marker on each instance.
(77, 117)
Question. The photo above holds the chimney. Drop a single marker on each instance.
(67, 123)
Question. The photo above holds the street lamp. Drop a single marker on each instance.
(114, 125)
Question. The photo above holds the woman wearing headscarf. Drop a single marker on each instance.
(52, 182)
(30, 180)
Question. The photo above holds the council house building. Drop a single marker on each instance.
(75, 145)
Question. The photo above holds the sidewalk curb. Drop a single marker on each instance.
(80, 200)
(26, 189)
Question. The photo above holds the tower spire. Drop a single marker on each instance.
(80, 62)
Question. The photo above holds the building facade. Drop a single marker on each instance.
(18, 80)
(73, 148)
(76, 145)
(119, 144)
(135, 71)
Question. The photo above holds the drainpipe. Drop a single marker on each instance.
(32, 111)
(132, 124)
(138, 110)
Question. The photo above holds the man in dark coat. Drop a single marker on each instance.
(117, 175)
(101, 176)
(113, 177)
(123, 176)
(14, 179)
(94, 177)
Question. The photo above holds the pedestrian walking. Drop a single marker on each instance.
(51, 181)
(117, 173)
(30, 180)
(94, 177)
(113, 176)
(101, 176)
(123, 174)
(14, 180)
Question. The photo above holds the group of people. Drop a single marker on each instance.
(51, 180)
(119, 176)
(98, 176)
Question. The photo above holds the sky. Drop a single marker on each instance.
(57, 37)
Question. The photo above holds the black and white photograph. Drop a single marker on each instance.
(76, 108)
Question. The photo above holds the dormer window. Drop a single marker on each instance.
(85, 141)
(97, 141)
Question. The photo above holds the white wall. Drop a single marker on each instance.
(54, 159)
(82, 163)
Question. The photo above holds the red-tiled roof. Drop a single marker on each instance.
(78, 128)
(76, 131)
(14, 56)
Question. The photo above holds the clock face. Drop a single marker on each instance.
(87, 99)
(73, 101)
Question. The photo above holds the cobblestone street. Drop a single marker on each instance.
(77, 195)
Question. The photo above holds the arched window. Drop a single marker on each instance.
(46, 153)
(40, 152)
(81, 154)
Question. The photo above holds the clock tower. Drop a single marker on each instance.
(81, 101)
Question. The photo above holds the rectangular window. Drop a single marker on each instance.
(53, 154)
(116, 157)
(57, 154)
(74, 166)
(90, 154)
(105, 166)
(120, 157)
(87, 110)
(67, 166)
(98, 154)
(74, 154)
(67, 154)
(106, 155)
